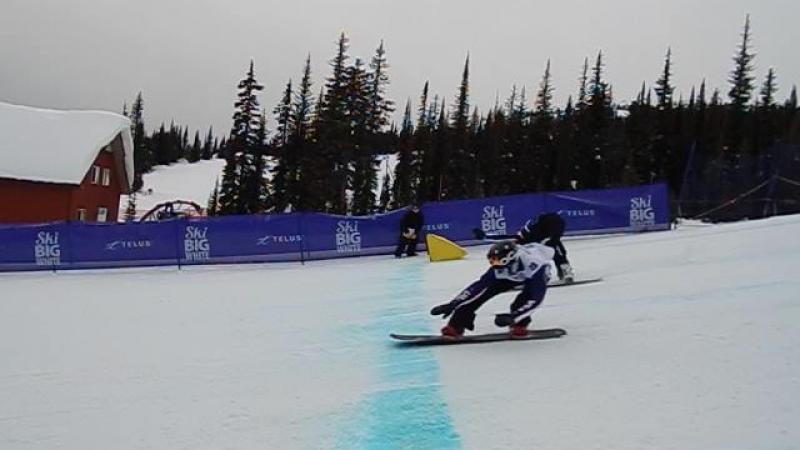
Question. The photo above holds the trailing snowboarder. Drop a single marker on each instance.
(547, 229)
(511, 265)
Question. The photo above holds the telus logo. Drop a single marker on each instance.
(279, 239)
(128, 245)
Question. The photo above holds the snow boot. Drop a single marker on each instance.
(451, 332)
(565, 273)
(519, 331)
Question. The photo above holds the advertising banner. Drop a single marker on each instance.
(305, 236)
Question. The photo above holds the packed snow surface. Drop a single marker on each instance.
(691, 342)
(57, 146)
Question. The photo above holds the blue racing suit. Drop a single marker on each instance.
(530, 269)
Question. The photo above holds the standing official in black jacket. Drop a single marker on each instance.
(410, 230)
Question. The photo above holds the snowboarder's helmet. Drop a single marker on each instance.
(502, 253)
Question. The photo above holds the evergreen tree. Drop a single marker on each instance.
(364, 172)
(228, 197)
(333, 147)
(791, 102)
(640, 131)
(516, 155)
(299, 168)
(741, 78)
(583, 81)
(184, 142)
(284, 167)
(213, 206)
(195, 152)
(596, 124)
(664, 88)
(379, 107)
(130, 209)
(422, 165)
(542, 132)
(404, 188)
(385, 200)
(208, 145)
(459, 174)
(765, 131)
(440, 152)
(768, 90)
(666, 163)
(142, 157)
(245, 154)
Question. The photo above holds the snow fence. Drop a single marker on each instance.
(309, 236)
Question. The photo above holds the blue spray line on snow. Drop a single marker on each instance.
(406, 410)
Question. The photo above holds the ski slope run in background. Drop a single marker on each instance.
(691, 342)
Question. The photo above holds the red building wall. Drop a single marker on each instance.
(29, 202)
(91, 196)
(36, 202)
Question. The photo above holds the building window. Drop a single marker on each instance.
(102, 214)
(81, 214)
(106, 177)
(95, 174)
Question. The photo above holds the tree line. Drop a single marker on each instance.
(321, 154)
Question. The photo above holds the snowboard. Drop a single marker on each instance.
(560, 283)
(435, 339)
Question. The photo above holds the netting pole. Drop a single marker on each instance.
(178, 242)
(686, 170)
(300, 229)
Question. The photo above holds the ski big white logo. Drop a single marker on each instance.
(47, 249)
(348, 238)
(493, 220)
(642, 213)
(196, 244)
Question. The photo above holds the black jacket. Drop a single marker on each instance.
(547, 226)
(412, 220)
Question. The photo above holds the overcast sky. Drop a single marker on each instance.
(186, 56)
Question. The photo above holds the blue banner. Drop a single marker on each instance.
(297, 237)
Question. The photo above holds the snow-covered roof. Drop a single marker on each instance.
(57, 146)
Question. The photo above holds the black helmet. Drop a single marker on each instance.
(502, 253)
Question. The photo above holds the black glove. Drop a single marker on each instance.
(504, 320)
(444, 310)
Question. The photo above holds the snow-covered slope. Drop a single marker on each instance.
(179, 181)
(691, 342)
(184, 181)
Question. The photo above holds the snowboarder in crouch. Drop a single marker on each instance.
(511, 265)
(548, 230)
